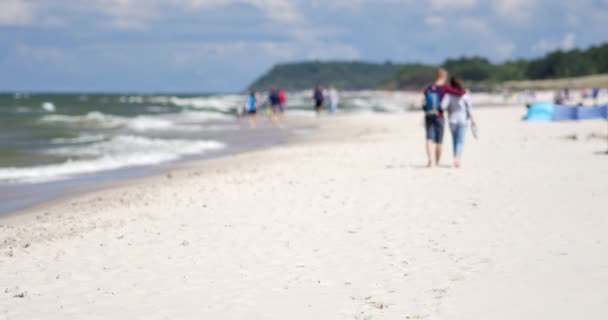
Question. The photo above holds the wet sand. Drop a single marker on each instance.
(18, 197)
(346, 223)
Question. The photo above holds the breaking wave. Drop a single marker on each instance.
(115, 153)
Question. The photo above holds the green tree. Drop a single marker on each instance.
(472, 69)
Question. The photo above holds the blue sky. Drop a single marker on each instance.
(223, 45)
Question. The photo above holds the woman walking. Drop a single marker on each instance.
(459, 116)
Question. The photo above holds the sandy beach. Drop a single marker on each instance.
(343, 224)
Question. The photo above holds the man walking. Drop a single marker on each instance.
(319, 99)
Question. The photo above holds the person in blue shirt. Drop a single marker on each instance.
(251, 109)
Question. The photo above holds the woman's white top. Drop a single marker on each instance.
(459, 108)
(334, 98)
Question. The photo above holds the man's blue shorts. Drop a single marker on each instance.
(434, 125)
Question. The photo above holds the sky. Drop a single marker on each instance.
(224, 45)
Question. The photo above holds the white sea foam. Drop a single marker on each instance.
(145, 123)
(182, 121)
(118, 152)
(229, 127)
(83, 138)
(200, 116)
(222, 103)
(48, 107)
(94, 118)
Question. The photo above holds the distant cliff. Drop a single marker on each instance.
(344, 75)
(477, 71)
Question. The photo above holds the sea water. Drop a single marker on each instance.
(49, 142)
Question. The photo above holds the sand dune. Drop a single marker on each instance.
(344, 224)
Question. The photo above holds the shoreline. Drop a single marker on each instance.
(145, 174)
(52, 190)
(162, 170)
(344, 223)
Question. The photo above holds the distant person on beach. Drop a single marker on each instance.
(319, 98)
(459, 116)
(334, 99)
(274, 105)
(252, 109)
(596, 95)
(558, 97)
(282, 101)
(434, 123)
(585, 93)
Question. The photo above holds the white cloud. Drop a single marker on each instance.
(133, 14)
(352, 5)
(15, 12)
(434, 20)
(515, 10)
(314, 33)
(189, 54)
(474, 25)
(278, 10)
(440, 4)
(126, 14)
(566, 43)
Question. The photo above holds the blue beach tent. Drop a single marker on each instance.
(546, 111)
(565, 113)
(540, 112)
(592, 113)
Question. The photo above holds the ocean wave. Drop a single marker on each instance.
(118, 152)
(48, 106)
(83, 138)
(145, 123)
(200, 116)
(157, 109)
(182, 121)
(93, 118)
(222, 103)
(131, 99)
(23, 109)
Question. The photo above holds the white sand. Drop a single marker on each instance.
(347, 225)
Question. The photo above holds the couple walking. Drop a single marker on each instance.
(319, 97)
(438, 97)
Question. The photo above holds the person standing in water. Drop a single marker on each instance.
(459, 116)
(434, 123)
(252, 109)
(334, 99)
(319, 99)
(282, 101)
(274, 106)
